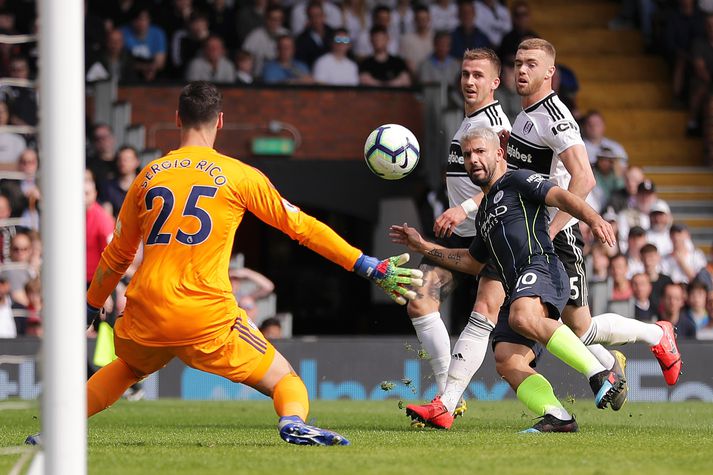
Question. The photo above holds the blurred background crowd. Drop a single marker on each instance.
(655, 272)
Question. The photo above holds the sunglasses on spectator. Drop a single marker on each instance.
(345, 40)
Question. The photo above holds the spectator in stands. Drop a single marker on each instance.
(639, 214)
(635, 12)
(332, 15)
(440, 67)
(222, 18)
(641, 289)
(403, 19)
(113, 192)
(187, 43)
(607, 178)
(21, 100)
(24, 193)
(356, 17)
(652, 267)
(316, 39)
(8, 329)
(381, 17)
(493, 19)
(697, 294)
(285, 69)
(706, 333)
(174, 15)
(598, 263)
(252, 14)
(244, 67)
(249, 286)
(660, 224)
(212, 65)
(620, 285)
(506, 94)
(634, 243)
(672, 303)
(593, 133)
(19, 270)
(147, 45)
(467, 35)
(680, 28)
(444, 15)
(11, 144)
(685, 261)
(383, 69)
(335, 68)
(271, 328)
(32, 312)
(701, 79)
(261, 43)
(626, 197)
(100, 157)
(99, 227)
(416, 46)
(117, 60)
(521, 29)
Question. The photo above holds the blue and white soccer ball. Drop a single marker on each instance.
(391, 151)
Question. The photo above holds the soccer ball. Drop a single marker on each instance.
(391, 151)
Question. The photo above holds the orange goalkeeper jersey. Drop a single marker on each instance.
(185, 208)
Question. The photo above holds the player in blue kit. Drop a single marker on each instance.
(512, 229)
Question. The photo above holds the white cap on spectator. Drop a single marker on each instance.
(660, 206)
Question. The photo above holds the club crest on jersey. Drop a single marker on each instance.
(528, 127)
(498, 197)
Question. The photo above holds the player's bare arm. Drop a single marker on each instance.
(444, 225)
(455, 259)
(577, 164)
(577, 207)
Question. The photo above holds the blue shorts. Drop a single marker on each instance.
(546, 280)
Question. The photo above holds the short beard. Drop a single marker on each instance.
(484, 182)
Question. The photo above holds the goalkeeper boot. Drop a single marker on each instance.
(666, 352)
(34, 439)
(549, 423)
(433, 414)
(295, 431)
(460, 408)
(620, 369)
(606, 385)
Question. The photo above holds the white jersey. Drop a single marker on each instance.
(540, 133)
(458, 183)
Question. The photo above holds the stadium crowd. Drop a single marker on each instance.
(655, 272)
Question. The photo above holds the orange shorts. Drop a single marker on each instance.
(243, 355)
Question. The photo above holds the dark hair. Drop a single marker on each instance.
(269, 322)
(648, 247)
(377, 29)
(124, 148)
(678, 228)
(697, 284)
(199, 104)
(420, 7)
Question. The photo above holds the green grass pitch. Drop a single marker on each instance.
(181, 437)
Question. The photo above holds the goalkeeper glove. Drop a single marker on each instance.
(390, 277)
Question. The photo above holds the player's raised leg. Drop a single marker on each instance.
(514, 363)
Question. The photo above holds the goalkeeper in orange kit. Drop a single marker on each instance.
(185, 208)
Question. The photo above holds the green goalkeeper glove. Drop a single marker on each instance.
(387, 274)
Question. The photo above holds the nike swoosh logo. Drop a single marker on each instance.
(523, 288)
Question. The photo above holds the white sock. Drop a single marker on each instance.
(559, 412)
(614, 329)
(603, 355)
(433, 335)
(468, 354)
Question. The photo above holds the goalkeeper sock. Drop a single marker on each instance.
(614, 329)
(107, 385)
(290, 397)
(432, 333)
(536, 393)
(565, 345)
(468, 354)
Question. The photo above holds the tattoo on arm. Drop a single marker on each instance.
(438, 253)
(455, 257)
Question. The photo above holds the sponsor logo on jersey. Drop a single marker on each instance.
(563, 126)
(528, 127)
(515, 154)
(498, 197)
(491, 219)
(535, 178)
(454, 158)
